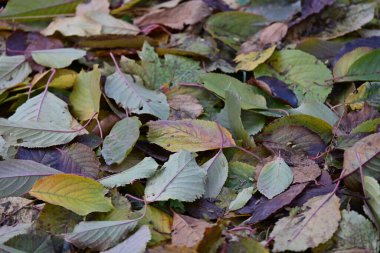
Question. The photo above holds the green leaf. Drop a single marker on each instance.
(143, 169)
(35, 134)
(372, 191)
(365, 68)
(18, 176)
(31, 242)
(121, 140)
(85, 97)
(99, 235)
(240, 175)
(307, 76)
(57, 58)
(317, 110)
(352, 225)
(368, 126)
(230, 118)
(156, 72)
(316, 224)
(179, 178)
(53, 110)
(368, 92)
(217, 172)
(13, 70)
(274, 178)
(21, 10)
(234, 27)
(318, 126)
(56, 219)
(344, 63)
(241, 199)
(79, 194)
(134, 97)
(135, 243)
(191, 135)
(249, 95)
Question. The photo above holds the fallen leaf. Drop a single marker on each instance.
(78, 194)
(179, 178)
(308, 229)
(187, 13)
(274, 178)
(217, 171)
(184, 107)
(191, 135)
(188, 231)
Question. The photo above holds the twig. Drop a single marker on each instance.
(248, 152)
(100, 127)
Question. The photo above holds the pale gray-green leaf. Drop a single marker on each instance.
(18, 176)
(136, 243)
(274, 178)
(217, 172)
(143, 169)
(316, 109)
(180, 178)
(99, 235)
(241, 199)
(13, 70)
(57, 58)
(35, 134)
(134, 97)
(355, 231)
(120, 141)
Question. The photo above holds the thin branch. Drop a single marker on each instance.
(100, 127)
(248, 152)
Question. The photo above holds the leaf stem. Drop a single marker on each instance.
(45, 92)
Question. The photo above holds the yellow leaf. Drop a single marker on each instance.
(85, 98)
(191, 135)
(62, 79)
(79, 194)
(253, 59)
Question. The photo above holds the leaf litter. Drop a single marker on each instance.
(189, 126)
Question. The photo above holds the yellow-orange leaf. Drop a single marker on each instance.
(191, 135)
(79, 194)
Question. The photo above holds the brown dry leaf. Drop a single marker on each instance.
(184, 107)
(15, 210)
(315, 225)
(305, 171)
(267, 37)
(187, 13)
(188, 231)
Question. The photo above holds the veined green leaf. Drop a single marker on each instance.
(274, 178)
(99, 235)
(217, 172)
(120, 141)
(143, 169)
(57, 58)
(180, 178)
(134, 97)
(13, 70)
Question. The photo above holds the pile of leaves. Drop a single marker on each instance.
(190, 126)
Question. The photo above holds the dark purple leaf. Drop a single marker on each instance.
(372, 42)
(76, 159)
(324, 185)
(310, 7)
(217, 5)
(204, 208)
(277, 89)
(262, 208)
